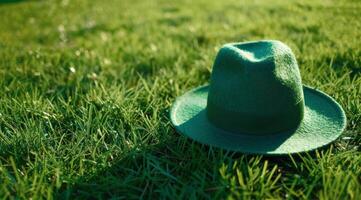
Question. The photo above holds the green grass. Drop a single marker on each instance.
(86, 87)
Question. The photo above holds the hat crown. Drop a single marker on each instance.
(255, 88)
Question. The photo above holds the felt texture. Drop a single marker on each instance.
(323, 121)
(256, 103)
(255, 88)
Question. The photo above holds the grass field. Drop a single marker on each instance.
(86, 87)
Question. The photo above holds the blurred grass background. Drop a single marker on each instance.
(86, 86)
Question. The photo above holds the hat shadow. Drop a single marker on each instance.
(204, 132)
(177, 165)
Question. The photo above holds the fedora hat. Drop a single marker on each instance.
(256, 103)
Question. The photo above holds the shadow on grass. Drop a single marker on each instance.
(181, 168)
(137, 175)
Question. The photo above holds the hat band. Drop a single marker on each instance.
(238, 122)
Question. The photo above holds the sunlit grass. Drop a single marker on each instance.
(86, 86)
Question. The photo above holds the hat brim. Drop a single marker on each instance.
(323, 122)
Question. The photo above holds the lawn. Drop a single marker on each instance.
(86, 88)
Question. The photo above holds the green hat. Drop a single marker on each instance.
(256, 104)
